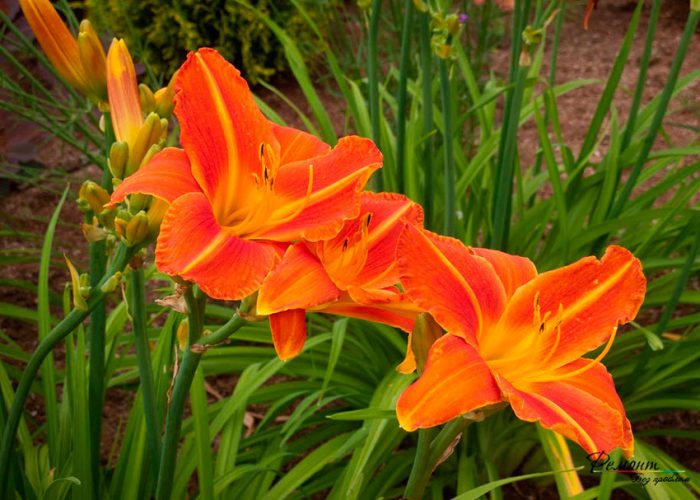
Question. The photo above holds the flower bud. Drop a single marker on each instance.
(148, 100)
(93, 233)
(78, 298)
(93, 59)
(156, 212)
(420, 5)
(452, 24)
(149, 154)
(425, 332)
(164, 129)
(165, 99)
(137, 202)
(136, 229)
(118, 158)
(92, 196)
(111, 284)
(145, 138)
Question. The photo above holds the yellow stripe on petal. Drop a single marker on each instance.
(123, 92)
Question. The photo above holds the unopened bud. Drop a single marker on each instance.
(120, 224)
(93, 59)
(156, 212)
(148, 100)
(532, 36)
(78, 298)
(165, 99)
(452, 24)
(118, 158)
(443, 50)
(93, 233)
(695, 5)
(148, 134)
(163, 129)
(138, 202)
(93, 196)
(420, 5)
(425, 332)
(149, 154)
(136, 229)
(112, 283)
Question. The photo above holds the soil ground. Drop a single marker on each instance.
(583, 54)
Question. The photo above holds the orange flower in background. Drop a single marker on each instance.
(519, 337)
(242, 187)
(80, 62)
(354, 274)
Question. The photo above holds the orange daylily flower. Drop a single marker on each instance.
(80, 62)
(242, 187)
(515, 336)
(354, 274)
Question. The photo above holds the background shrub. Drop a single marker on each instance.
(160, 34)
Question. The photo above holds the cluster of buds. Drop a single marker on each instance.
(80, 283)
(140, 221)
(446, 29)
(79, 61)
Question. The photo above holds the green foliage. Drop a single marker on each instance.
(161, 33)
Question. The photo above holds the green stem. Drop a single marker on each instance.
(183, 381)
(96, 331)
(401, 99)
(224, 331)
(430, 459)
(419, 461)
(96, 382)
(427, 100)
(137, 310)
(59, 332)
(449, 228)
(373, 80)
(665, 98)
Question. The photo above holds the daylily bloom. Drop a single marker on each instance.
(242, 187)
(518, 337)
(80, 62)
(353, 274)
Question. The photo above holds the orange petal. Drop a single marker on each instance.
(222, 129)
(389, 212)
(297, 282)
(393, 309)
(192, 245)
(296, 145)
(586, 300)
(455, 381)
(288, 332)
(167, 176)
(337, 179)
(513, 270)
(56, 40)
(123, 93)
(584, 407)
(458, 288)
